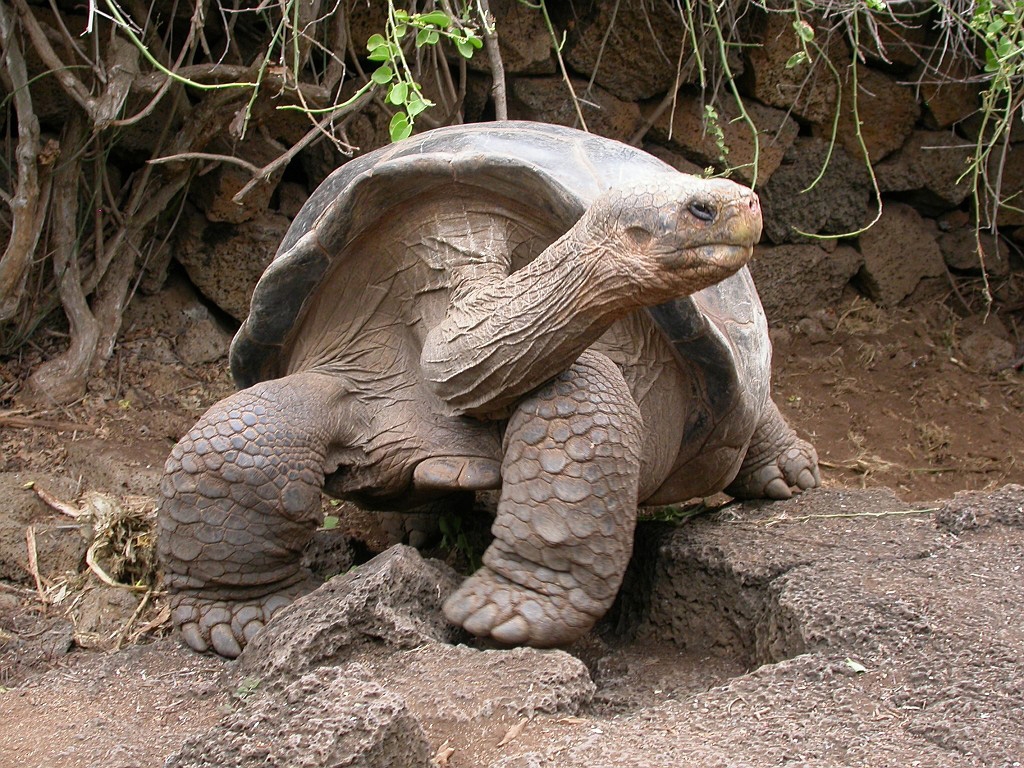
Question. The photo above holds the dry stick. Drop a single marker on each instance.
(161, 618)
(498, 91)
(122, 69)
(561, 62)
(769, 521)
(159, 49)
(123, 630)
(110, 297)
(26, 223)
(64, 507)
(33, 562)
(13, 590)
(668, 100)
(71, 84)
(28, 422)
(336, 51)
(106, 578)
(268, 170)
(250, 167)
(64, 376)
(601, 48)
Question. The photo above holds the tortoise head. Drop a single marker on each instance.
(676, 233)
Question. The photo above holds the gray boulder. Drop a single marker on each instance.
(795, 280)
(899, 251)
(393, 601)
(795, 200)
(325, 720)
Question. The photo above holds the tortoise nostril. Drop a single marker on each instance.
(701, 210)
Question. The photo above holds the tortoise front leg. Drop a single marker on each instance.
(776, 461)
(240, 500)
(564, 528)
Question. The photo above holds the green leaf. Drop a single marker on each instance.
(437, 18)
(804, 30)
(465, 48)
(432, 36)
(397, 93)
(379, 54)
(796, 59)
(421, 37)
(401, 14)
(991, 60)
(417, 104)
(400, 31)
(330, 522)
(400, 127)
(375, 41)
(382, 74)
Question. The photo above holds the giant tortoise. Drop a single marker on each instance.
(505, 305)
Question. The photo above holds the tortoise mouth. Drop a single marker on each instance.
(711, 257)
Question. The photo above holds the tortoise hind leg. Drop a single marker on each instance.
(776, 461)
(240, 500)
(564, 528)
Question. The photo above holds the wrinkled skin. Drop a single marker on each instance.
(482, 359)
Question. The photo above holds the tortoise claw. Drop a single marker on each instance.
(457, 473)
(226, 626)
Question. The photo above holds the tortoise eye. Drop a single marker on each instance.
(702, 211)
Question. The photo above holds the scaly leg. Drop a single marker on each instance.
(240, 500)
(564, 528)
(776, 461)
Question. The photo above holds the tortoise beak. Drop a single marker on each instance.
(746, 218)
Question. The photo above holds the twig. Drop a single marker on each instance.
(770, 521)
(250, 167)
(161, 618)
(33, 562)
(286, 157)
(106, 578)
(28, 422)
(26, 225)
(72, 86)
(123, 631)
(63, 377)
(669, 100)
(65, 508)
(498, 91)
(12, 589)
(557, 45)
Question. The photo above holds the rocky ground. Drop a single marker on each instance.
(874, 621)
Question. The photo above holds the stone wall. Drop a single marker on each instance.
(821, 203)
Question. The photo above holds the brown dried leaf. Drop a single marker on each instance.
(513, 732)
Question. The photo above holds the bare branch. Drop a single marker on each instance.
(64, 377)
(252, 168)
(25, 201)
(122, 69)
(286, 157)
(498, 91)
(71, 84)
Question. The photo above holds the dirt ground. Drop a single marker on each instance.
(893, 399)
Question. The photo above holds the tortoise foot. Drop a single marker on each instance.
(226, 626)
(491, 605)
(796, 467)
(776, 462)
